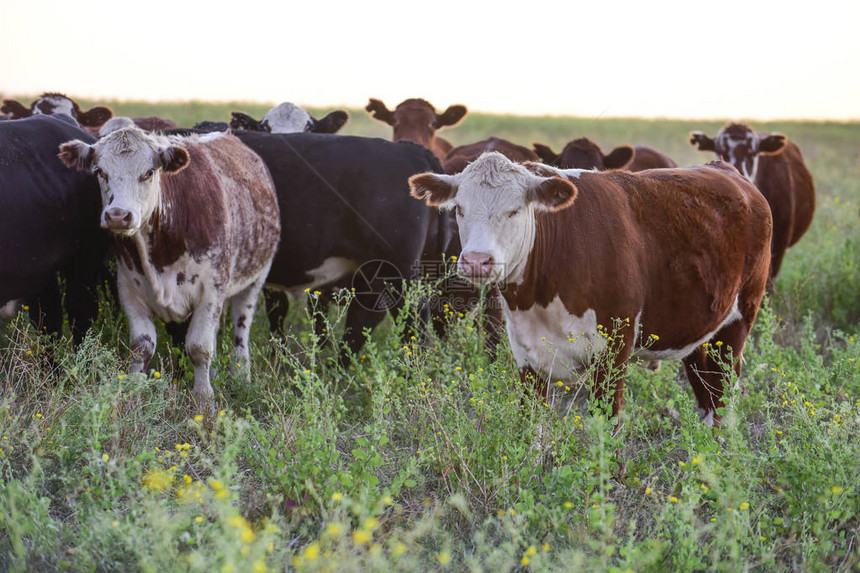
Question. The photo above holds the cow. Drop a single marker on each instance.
(416, 120)
(195, 222)
(459, 157)
(149, 123)
(775, 164)
(289, 118)
(50, 103)
(582, 153)
(592, 265)
(48, 226)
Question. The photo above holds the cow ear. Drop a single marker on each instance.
(15, 109)
(772, 143)
(331, 123)
(703, 142)
(173, 158)
(546, 154)
(76, 154)
(451, 116)
(378, 110)
(436, 189)
(552, 193)
(618, 157)
(95, 117)
(242, 121)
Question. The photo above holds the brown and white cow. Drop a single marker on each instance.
(416, 120)
(676, 257)
(196, 222)
(50, 103)
(776, 166)
(582, 153)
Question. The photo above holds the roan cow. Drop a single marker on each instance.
(48, 226)
(289, 118)
(55, 103)
(416, 120)
(582, 153)
(776, 166)
(653, 265)
(195, 222)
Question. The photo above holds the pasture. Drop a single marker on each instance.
(421, 455)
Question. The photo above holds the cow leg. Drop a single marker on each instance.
(242, 307)
(358, 318)
(704, 367)
(200, 345)
(46, 309)
(494, 324)
(277, 307)
(611, 372)
(141, 330)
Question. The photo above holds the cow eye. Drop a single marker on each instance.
(510, 214)
(459, 211)
(147, 176)
(98, 172)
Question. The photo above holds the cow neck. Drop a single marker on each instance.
(534, 283)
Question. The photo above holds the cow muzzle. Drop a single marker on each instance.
(119, 220)
(476, 267)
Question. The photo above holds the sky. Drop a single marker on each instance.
(728, 60)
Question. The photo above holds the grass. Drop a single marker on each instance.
(424, 456)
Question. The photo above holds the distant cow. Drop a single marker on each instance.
(416, 120)
(651, 264)
(56, 103)
(345, 207)
(582, 153)
(149, 123)
(776, 166)
(459, 157)
(48, 226)
(289, 118)
(195, 222)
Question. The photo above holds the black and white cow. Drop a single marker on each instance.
(344, 203)
(289, 118)
(51, 103)
(195, 222)
(48, 226)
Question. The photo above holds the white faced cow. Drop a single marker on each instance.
(678, 256)
(195, 221)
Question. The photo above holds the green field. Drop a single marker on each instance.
(423, 456)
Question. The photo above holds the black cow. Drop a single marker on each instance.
(345, 203)
(48, 225)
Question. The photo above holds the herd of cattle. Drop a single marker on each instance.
(585, 251)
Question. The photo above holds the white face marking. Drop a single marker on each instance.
(742, 152)
(288, 118)
(495, 217)
(554, 342)
(670, 354)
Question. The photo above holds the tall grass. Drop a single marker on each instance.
(424, 455)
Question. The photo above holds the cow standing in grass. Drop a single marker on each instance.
(676, 257)
(776, 166)
(196, 222)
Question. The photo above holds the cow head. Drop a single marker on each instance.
(128, 163)
(495, 201)
(55, 103)
(289, 118)
(583, 153)
(739, 145)
(415, 119)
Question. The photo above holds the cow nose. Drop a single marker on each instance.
(476, 264)
(118, 219)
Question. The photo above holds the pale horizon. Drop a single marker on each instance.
(672, 60)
